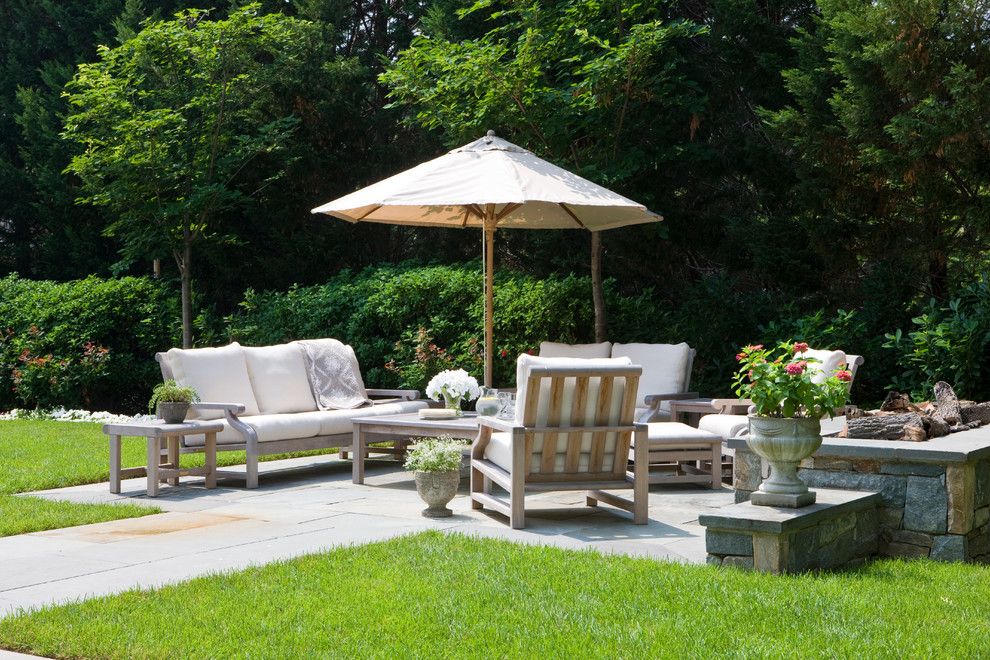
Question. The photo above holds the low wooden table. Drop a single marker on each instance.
(155, 470)
(683, 410)
(408, 425)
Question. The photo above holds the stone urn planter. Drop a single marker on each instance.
(784, 442)
(172, 412)
(437, 489)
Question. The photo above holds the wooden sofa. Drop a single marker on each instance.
(264, 398)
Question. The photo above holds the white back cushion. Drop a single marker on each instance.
(526, 363)
(664, 367)
(830, 362)
(279, 378)
(219, 375)
(558, 350)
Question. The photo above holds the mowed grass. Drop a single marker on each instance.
(434, 595)
(42, 454)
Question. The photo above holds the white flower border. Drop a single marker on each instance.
(66, 415)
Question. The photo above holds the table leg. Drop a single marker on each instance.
(211, 460)
(154, 455)
(357, 455)
(115, 464)
(173, 457)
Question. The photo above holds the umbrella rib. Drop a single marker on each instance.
(571, 213)
(509, 208)
(375, 208)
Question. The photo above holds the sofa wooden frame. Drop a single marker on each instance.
(255, 449)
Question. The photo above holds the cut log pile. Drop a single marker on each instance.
(900, 419)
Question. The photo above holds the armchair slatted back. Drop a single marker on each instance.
(578, 421)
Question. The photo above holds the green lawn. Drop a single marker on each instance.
(433, 595)
(40, 454)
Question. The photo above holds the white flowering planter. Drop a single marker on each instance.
(437, 489)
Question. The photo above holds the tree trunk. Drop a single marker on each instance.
(597, 292)
(185, 271)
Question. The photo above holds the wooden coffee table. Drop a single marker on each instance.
(405, 425)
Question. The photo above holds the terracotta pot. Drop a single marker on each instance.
(784, 442)
(172, 412)
(437, 489)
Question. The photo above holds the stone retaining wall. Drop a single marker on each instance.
(934, 503)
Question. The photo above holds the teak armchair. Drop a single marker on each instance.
(573, 429)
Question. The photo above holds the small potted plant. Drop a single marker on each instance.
(170, 401)
(436, 463)
(453, 387)
(789, 401)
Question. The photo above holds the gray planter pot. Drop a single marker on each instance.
(437, 489)
(172, 412)
(784, 442)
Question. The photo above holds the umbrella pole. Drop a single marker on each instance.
(489, 260)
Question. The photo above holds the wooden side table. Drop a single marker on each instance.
(154, 433)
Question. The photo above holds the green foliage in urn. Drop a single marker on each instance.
(171, 392)
(441, 454)
(781, 383)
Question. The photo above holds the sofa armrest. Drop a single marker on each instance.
(405, 395)
(732, 406)
(652, 399)
(228, 408)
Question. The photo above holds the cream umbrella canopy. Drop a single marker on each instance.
(489, 184)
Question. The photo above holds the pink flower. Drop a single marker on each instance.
(844, 375)
(800, 347)
(753, 347)
(739, 357)
(796, 368)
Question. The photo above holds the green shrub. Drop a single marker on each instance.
(949, 342)
(83, 344)
(381, 306)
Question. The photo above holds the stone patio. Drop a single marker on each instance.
(304, 506)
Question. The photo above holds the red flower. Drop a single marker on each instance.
(800, 347)
(844, 375)
(796, 368)
(531, 352)
(504, 353)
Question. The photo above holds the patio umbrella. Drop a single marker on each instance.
(489, 184)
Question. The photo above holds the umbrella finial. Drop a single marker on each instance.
(489, 135)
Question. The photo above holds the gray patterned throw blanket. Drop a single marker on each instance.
(334, 374)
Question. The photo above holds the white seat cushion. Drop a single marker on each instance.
(499, 452)
(289, 426)
(279, 378)
(829, 362)
(557, 349)
(670, 433)
(725, 426)
(664, 367)
(218, 375)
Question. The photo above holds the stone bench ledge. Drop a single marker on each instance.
(747, 517)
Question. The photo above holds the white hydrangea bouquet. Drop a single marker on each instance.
(453, 386)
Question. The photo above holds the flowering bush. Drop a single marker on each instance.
(781, 385)
(435, 455)
(453, 386)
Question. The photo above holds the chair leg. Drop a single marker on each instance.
(478, 482)
(517, 504)
(589, 500)
(641, 479)
(716, 466)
